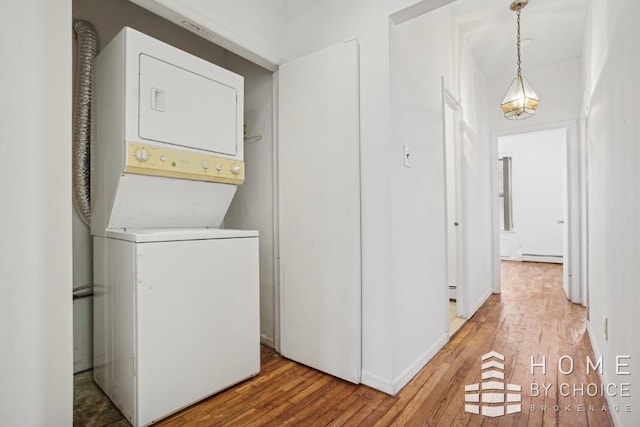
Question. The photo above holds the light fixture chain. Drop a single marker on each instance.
(518, 43)
(520, 101)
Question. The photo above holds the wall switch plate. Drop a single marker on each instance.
(407, 157)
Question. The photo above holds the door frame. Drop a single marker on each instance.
(276, 212)
(575, 181)
(449, 101)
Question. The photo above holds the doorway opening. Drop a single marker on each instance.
(452, 112)
(533, 199)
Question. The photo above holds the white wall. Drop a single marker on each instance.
(35, 186)
(252, 207)
(614, 193)
(390, 273)
(250, 29)
(557, 85)
(109, 17)
(423, 50)
(537, 177)
(390, 353)
(321, 24)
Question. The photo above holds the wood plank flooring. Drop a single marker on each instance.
(530, 318)
(455, 322)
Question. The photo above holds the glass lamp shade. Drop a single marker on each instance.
(521, 101)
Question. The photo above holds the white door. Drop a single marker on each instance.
(319, 211)
(455, 242)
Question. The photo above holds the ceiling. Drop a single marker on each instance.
(489, 26)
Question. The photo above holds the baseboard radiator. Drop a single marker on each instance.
(558, 259)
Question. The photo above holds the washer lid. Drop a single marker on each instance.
(145, 235)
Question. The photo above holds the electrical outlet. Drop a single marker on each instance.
(605, 325)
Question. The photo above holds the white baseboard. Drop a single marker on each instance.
(265, 340)
(377, 382)
(476, 306)
(82, 365)
(603, 378)
(393, 387)
(408, 374)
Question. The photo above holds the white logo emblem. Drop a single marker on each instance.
(497, 398)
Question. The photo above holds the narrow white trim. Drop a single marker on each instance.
(418, 9)
(603, 378)
(479, 303)
(276, 211)
(82, 365)
(392, 387)
(265, 340)
(185, 16)
(450, 101)
(377, 382)
(495, 215)
(403, 379)
(361, 201)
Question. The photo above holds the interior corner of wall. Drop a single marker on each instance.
(412, 370)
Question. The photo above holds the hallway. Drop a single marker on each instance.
(530, 318)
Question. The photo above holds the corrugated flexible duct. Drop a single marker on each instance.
(87, 50)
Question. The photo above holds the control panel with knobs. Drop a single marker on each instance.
(148, 159)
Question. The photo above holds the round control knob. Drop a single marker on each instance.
(163, 158)
(218, 167)
(142, 155)
(235, 169)
(205, 165)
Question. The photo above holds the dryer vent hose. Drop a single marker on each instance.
(87, 50)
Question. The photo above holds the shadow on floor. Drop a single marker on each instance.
(91, 408)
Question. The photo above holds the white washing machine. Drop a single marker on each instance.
(176, 297)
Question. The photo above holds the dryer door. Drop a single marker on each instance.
(182, 108)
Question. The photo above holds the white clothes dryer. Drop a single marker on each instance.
(176, 297)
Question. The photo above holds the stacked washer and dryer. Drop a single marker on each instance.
(176, 301)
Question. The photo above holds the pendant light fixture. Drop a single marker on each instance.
(521, 101)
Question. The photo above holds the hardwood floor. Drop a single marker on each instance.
(530, 318)
(455, 322)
